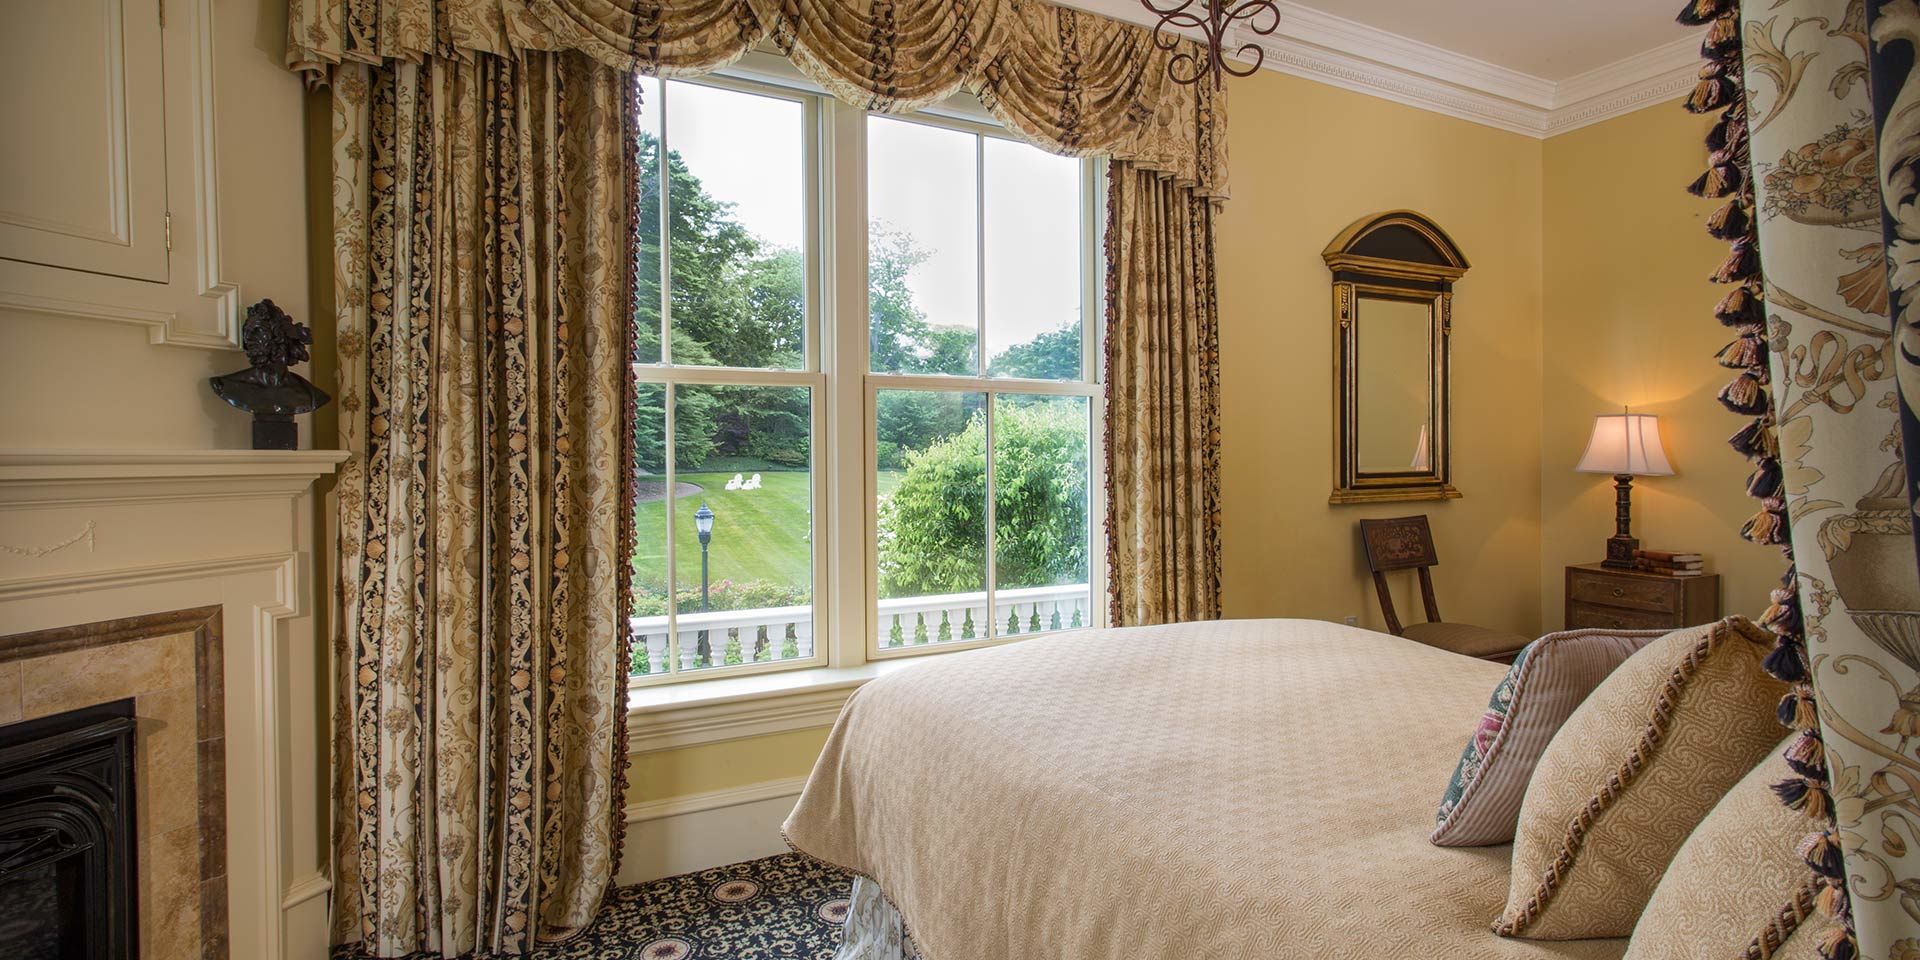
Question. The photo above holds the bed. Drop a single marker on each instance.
(1236, 789)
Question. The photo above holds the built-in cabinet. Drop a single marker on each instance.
(83, 181)
(153, 166)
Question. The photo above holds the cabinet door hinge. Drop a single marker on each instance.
(169, 229)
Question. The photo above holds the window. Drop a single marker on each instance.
(864, 389)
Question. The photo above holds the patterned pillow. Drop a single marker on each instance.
(1547, 681)
(1739, 887)
(1631, 774)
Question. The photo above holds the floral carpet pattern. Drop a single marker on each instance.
(781, 908)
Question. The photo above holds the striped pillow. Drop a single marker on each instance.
(1549, 678)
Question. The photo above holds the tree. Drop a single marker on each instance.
(932, 528)
(1053, 355)
(897, 328)
(731, 295)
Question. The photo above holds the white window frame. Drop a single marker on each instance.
(845, 613)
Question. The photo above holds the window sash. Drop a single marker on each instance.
(992, 388)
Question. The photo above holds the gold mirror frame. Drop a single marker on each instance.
(1398, 255)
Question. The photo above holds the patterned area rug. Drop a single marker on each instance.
(785, 907)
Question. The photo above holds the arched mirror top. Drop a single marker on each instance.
(1398, 243)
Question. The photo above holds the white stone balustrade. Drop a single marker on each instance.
(786, 633)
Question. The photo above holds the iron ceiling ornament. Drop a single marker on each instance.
(1213, 18)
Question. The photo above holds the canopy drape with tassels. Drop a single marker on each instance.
(482, 188)
(1822, 368)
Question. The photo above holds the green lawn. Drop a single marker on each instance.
(757, 534)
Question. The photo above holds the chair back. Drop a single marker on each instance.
(1400, 543)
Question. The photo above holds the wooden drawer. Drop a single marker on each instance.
(1664, 596)
(1618, 618)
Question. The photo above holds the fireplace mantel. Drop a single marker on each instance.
(92, 535)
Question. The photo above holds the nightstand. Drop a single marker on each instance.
(1603, 596)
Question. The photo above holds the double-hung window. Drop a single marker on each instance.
(867, 419)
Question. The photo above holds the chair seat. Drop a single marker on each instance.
(1465, 638)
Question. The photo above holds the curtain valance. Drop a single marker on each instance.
(1071, 82)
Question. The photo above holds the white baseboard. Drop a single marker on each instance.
(694, 832)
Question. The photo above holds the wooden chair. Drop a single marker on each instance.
(1407, 543)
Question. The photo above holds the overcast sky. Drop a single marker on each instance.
(922, 180)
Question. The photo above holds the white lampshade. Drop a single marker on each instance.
(1626, 443)
(1423, 451)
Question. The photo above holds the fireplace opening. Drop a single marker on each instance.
(67, 843)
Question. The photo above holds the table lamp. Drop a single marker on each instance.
(1626, 445)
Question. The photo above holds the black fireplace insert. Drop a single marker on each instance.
(67, 844)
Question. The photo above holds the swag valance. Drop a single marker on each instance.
(1071, 82)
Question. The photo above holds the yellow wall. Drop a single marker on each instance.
(1309, 159)
(1628, 321)
(719, 766)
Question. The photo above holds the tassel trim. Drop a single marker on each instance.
(1769, 526)
(1747, 352)
(1723, 38)
(1723, 178)
(1731, 221)
(1756, 440)
(1797, 710)
(1741, 306)
(1785, 660)
(1807, 796)
(1745, 393)
(1699, 12)
(1711, 93)
(1764, 482)
(1742, 263)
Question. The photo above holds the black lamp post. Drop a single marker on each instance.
(703, 525)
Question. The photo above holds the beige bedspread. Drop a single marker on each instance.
(1244, 789)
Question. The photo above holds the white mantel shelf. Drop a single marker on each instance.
(20, 464)
(123, 476)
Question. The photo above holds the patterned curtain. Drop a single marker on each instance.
(1163, 398)
(482, 278)
(1895, 54)
(1070, 82)
(1795, 152)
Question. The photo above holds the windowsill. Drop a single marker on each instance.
(677, 715)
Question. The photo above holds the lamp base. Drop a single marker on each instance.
(1620, 551)
(1622, 545)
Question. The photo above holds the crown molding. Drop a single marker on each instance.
(1320, 46)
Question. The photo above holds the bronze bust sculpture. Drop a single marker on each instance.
(268, 390)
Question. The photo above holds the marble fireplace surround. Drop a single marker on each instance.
(201, 569)
(169, 664)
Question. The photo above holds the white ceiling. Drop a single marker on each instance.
(1533, 67)
(1549, 39)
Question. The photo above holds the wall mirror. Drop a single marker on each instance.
(1393, 276)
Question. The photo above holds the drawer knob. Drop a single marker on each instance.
(1619, 592)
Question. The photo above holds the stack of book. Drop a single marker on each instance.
(1669, 563)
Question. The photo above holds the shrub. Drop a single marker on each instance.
(932, 528)
(651, 601)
